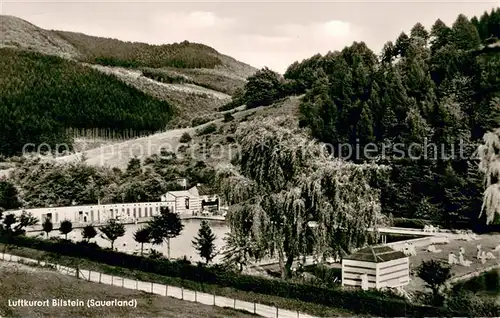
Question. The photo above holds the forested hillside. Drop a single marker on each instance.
(41, 96)
(422, 106)
(429, 86)
(131, 89)
(18, 33)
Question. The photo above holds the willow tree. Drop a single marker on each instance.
(283, 183)
(489, 154)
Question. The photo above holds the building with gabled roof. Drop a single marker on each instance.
(192, 201)
(382, 265)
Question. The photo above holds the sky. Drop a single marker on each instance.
(259, 33)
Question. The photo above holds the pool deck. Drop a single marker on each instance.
(38, 228)
(488, 243)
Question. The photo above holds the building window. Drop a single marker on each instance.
(134, 213)
(128, 212)
(187, 203)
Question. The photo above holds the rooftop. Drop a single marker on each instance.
(181, 193)
(376, 254)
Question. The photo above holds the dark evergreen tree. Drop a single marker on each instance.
(47, 226)
(263, 88)
(8, 196)
(204, 243)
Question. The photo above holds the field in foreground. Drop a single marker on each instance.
(84, 264)
(23, 282)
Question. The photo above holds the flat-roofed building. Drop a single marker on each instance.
(376, 267)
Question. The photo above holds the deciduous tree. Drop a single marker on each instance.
(165, 226)
(65, 228)
(112, 231)
(284, 182)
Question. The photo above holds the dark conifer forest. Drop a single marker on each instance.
(42, 96)
(436, 86)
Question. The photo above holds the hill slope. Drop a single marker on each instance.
(189, 80)
(200, 66)
(211, 148)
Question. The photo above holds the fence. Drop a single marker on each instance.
(163, 290)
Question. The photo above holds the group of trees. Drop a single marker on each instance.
(435, 89)
(111, 231)
(107, 51)
(41, 96)
(42, 184)
(167, 225)
(160, 229)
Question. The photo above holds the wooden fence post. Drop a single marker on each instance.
(136, 284)
(182, 293)
(254, 308)
(151, 287)
(100, 277)
(214, 299)
(195, 296)
(166, 290)
(123, 282)
(112, 280)
(277, 313)
(234, 303)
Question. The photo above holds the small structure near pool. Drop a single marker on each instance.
(376, 267)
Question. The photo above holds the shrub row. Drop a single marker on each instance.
(371, 302)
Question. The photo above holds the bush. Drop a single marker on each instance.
(467, 302)
(228, 117)
(370, 302)
(207, 130)
(489, 281)
(185, 138)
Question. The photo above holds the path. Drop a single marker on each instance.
(163, 290)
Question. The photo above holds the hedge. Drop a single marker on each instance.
(369, 302)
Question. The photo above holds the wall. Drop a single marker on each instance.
(418, 242)
(387, 274)
(351, 271)
(194, 205)
(394, 273)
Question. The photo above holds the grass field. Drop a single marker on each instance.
(23, 282)
(290, 304)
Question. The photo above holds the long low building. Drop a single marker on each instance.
(186, 203)
(99, 213)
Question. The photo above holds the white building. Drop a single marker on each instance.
(380, 266)
(192, 201)
(185, 202)
(98, 213)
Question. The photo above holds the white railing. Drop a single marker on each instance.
(162, 289)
